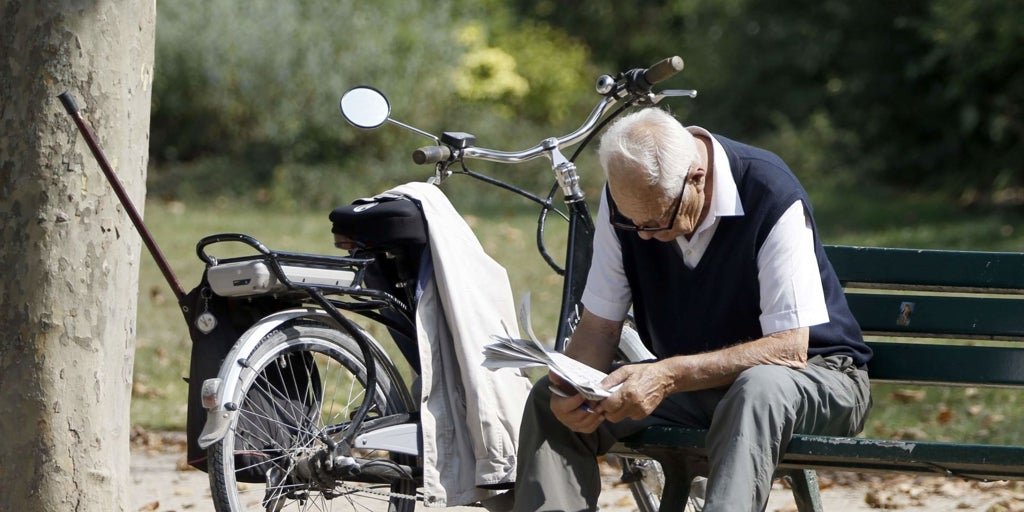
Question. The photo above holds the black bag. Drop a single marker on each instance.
(278, 411)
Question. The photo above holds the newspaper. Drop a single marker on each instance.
(509, 352)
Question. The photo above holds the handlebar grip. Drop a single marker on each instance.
(431, 154)
(69, 102)
(663, 69)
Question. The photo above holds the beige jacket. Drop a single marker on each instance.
(470, 415)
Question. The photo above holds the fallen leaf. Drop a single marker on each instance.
(906, 396)
(991, 419)
(945, 415)
(625, 501)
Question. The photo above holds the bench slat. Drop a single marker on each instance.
(823, 452)
(973, 317)
(918, 267)
(947, 364)
(994, 462)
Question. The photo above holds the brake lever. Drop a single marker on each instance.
(671, 93)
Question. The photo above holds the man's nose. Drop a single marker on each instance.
(645, 235)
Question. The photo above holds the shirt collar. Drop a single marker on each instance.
(725, 197)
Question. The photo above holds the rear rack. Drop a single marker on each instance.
(282, 273)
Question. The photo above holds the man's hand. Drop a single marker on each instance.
(644, 386)
(572, 409)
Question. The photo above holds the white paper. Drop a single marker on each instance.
(508, 352)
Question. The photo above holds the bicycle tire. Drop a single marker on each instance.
(340, 372)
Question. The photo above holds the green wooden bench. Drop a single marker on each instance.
(936, 318)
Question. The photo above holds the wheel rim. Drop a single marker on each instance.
(340, 373)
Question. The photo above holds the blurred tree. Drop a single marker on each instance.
(975, 49)
(526, 69)
(255, 85)
(915, 92)
(245, 98)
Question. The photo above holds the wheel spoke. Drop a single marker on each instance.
(306, 385)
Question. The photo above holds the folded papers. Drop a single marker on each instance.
(509, 352)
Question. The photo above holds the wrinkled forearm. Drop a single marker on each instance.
(594, 341)
(721, 367)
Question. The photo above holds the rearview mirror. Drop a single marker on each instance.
(365, 107)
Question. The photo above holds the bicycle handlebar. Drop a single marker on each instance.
(635, 83)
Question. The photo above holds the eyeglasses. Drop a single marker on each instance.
(623, 223)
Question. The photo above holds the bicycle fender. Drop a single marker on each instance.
(222, 394)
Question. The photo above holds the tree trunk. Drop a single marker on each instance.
(69, 253)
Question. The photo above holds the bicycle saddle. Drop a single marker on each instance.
(382, 221)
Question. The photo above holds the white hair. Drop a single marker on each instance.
(649, 144)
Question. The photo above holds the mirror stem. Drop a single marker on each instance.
(414, 129)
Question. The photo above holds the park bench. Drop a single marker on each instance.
(932, 318)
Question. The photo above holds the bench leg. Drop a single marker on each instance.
(677, 487)
(805, 490)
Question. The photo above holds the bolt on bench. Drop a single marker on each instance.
(935, 318)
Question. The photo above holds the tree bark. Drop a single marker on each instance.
(69, 254)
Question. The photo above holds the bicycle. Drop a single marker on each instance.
(276, 433)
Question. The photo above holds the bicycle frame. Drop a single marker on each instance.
(578, 255)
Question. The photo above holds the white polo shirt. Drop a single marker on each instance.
(790, 282)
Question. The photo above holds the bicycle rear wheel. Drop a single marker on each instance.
(308, 380)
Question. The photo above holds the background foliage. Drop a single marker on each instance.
(245, 97)
(907, 94)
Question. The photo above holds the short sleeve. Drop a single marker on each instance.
(790, 281)
(607, 293)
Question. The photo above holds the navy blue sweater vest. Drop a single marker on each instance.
(717, 303)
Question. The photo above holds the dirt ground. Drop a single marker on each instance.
(161, 481)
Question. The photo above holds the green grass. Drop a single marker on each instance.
(507, 231)
(886, 218)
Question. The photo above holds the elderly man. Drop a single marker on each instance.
(713, 245)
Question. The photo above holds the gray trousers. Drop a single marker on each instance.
(749, 425)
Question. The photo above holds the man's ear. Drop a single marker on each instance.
(697, 178)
